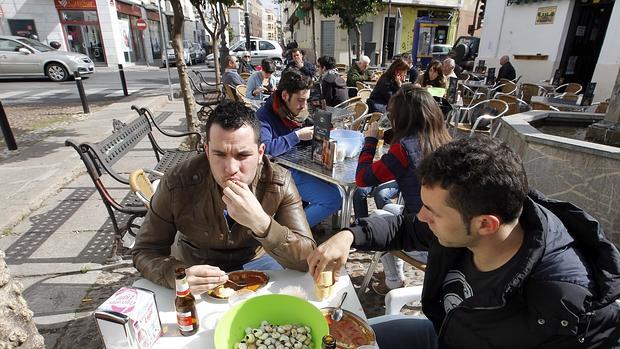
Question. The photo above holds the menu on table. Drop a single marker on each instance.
(322, 149)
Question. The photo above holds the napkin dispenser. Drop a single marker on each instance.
(129, 319)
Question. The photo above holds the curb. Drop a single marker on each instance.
(71, 173)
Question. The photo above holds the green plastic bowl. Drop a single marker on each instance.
(278, 309)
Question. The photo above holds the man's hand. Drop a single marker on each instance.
(244, 208)
(333, 251)
(299, 63)
(202, 278)
(305, 133)
(258, 90)
(373, 130)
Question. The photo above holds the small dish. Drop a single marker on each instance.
(251, 279)
(351, 331)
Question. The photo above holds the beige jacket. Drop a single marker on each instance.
(188, 200)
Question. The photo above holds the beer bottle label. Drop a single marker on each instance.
(185, 321)
(182, 287)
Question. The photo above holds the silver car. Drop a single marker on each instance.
(21, 56)
(261, 49)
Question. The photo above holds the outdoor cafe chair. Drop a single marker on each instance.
(528, 90)
(475, 118)
(349, 101)
(364, 94)
(470, 96)
(206, 94)
(515, 105)
(542, 106)
(571, 87)
(360, 85)
(600, 107)
(231, 93)
(245, 75)
(505, 86)
(142, 186)
(362, 122)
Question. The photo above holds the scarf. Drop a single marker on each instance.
(288, 119)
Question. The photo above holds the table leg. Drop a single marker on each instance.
(347, 203)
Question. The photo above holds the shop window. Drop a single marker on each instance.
(79, 16)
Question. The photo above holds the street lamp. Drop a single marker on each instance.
(246, 16)
(164, 49)
(385, 35)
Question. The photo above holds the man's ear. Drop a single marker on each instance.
(285, 95)
(486, 224)
(261, 149)
(205, 146)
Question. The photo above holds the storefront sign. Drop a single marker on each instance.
(140, 24)
(546, 15)
(127, 9)
(152, 15)
(76, 4)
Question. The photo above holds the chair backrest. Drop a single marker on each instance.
(245, 75)
(602, 107)
(364, 94)
(342, 68)
(463, 76)
(512, 101)
(508, 87)
(542, 106)
(231, 93)
(361, 123)
(569, 97)
(360, 85)
(360, 108)
(571, 87)
(349, 101)
(528, 90)
(141, 186)
(241, 90)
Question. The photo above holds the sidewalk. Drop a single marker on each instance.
(55, 229)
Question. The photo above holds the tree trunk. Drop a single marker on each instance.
(358, 44)
(316, 56)
(17, 329)
(186, 88)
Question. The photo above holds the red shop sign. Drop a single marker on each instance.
(75, 4)
(131, 10)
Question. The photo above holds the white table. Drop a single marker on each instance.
(210, 310)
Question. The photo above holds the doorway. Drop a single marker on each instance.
(390, 28)
(85, 39)
(584, 40)
(328, 38)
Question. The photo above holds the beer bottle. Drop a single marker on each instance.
(329, 342)
(185, 305)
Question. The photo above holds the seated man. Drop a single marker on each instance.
(233, 209)
(231, 76)
(448, 68)
(413, 71)
(507, 71)
(358, 72)
(281, 129)
(507, 268)
(300, 63)
(245, 65)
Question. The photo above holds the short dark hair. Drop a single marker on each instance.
(327, 62)
(293, 81)
(482, 176)
(233, 116)
(268, 65)
(297, 49)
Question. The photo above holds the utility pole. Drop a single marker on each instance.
(385, 36)
(164, 49)
(246, 16)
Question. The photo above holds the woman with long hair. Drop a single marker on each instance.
(418, 129)
(433, 76)
(387, 85)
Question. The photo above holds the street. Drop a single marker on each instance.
(104, 84)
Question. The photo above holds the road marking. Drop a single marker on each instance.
(120, 93)
(94, 91)
(10, 94)
(47, 93)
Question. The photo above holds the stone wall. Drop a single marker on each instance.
(586, 174)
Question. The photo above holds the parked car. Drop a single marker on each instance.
(260, 49)
(466, 51)
(197, 53)
(21, 56)
(170, 56)
(440, 51)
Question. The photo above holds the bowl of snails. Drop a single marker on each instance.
(277, 320)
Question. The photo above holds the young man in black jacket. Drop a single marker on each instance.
(507, 268)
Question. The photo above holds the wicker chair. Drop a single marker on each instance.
(142, 186)
(542, 106)
(349, 101)
(528, 90)
(245, 75)
(571, 87)
(515, 105)
(480, 113)
(364, 93)
(360, 85)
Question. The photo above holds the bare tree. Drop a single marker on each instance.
(186, 89)
(213, 16)
(17, 330)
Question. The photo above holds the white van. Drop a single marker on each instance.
(260, 49)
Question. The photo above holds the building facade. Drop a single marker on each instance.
(575, 38)
(269, 25)
(110, 32)
(396, 33)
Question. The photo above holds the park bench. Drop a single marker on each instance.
(207, 94)
(99, 158)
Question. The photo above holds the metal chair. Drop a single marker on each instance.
(528, 90)
(358, 110)
(470, 96)
(349, 101)
(142, 186)
(360, 85)
(571, 87)
(505, 86)
(515, 105)
(364, 94)
(542, 106)
(206, 94)
(375, 261)
(478, 115)
(362, 122)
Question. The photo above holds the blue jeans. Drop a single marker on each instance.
(323, 198)
(266, 262)
(402, 331)
(382, 194)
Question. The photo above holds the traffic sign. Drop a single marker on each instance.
(140, 24)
